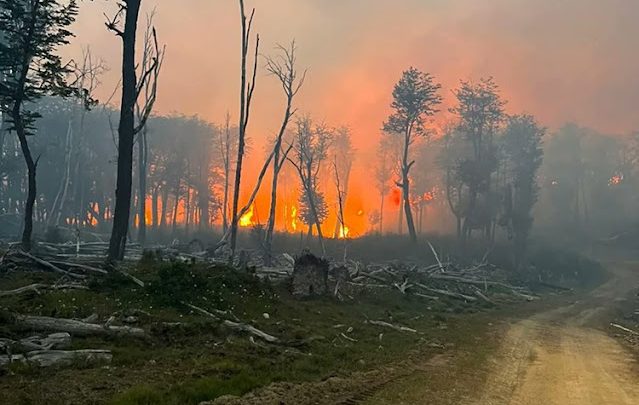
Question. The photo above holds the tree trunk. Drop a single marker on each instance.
(126, 134)
(31, 177)
(142, 165)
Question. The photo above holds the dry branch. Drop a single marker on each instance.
(390, 325)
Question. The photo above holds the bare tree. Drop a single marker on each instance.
(246, 96)
(415, 97)
(283, 68)
(132, 88)
(343, 156)
(152, 58)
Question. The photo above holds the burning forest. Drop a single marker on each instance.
(318, 203)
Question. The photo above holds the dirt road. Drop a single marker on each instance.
(555, 357)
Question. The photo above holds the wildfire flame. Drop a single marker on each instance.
(247, 219)
(343, 232)
(294, 218)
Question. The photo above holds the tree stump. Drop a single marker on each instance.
(310, 276)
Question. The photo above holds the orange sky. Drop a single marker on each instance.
(561, 60)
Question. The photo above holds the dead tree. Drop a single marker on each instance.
(152, 58)
(246, 96)
(283, 68)
(127, 128)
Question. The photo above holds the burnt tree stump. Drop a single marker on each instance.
(310, 276)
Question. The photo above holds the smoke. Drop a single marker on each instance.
(563, 60)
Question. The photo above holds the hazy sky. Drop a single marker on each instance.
(561, 60)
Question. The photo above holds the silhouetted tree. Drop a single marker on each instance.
(415, 98)
(283, 68)
(132, 87)
(522, 147)
(480, 112)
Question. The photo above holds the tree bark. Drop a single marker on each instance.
(126, 133)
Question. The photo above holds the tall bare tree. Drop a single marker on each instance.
(283, 68)
(152, 58)
(32, 31)
(415, 98)
(383, 175)
(246, 95)
(132, 87)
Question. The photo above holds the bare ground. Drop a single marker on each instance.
(560, 356)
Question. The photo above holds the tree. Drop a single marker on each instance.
(415, 97)
(283, 68)
(343, 156)
(311, 149)
(132, 87)
(152, 59)
(480, 112)
(522, 146)
(246, 96)
(32, 32)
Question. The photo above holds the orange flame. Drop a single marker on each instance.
(343, 232)
(247, 219)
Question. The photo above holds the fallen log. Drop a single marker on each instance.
(47, 358)
(38, 286)
(80, 266)
(48, 265)
(60, 340)
(75, 327)
(398, 328)
(243, 327)
(623, 328)
(447, 293)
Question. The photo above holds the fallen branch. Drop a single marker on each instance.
(623, 328)
(390, 325)
(439, 262)
(59, 340)
(236, 325)
(80, 266)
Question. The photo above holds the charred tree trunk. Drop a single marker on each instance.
(126, 133)
(31, 178)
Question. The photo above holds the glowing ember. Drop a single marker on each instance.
(428, 196)
(247, 219)
(615, 180)
(360, 213)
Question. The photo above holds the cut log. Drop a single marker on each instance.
(398, 328)
(310, 276)
(75, 327)
(47, 358)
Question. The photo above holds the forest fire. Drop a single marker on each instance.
(615, 180)
(343, 232)
(247, 219)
